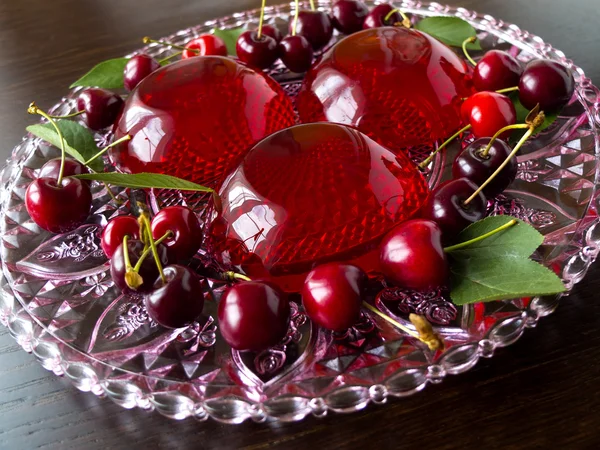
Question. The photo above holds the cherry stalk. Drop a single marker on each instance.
(426, 162)
(405, 20)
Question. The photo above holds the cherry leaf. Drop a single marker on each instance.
(230, 37)
(451, 31)
(79, 141)
(144, 181)
(108, 75)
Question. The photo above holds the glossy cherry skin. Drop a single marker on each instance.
(402, 87)
(101, 107)
(229, 108)
(187, 232)
(138, 68)
(547, 83)
(205, 45)
(115, 230)
(376, 18)
(257, 52)
(488, 113)
(332, 295)
(445, 206)
(315, 26)
(58, 209)
(253, 315)
(296, 53)
(496, 70)
(51, 169)
(348, 16)
(273, 32)
(148, 270)
(471, 164)
(412, 256)
(179, 301)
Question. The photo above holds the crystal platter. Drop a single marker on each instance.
(58, 300)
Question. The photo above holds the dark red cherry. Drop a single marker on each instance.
(101, 107)
(488, 112)
(273, 32)
(115, 230)
(412, 255)
(148, 270)
(471, 164)
(332, 295)
(445, 206)
(296, 53)
(547, 83)
(257, 52)
(55, 208)
(51, 169)
(376, 18)
(187, 232)
(315, 26)
(179, 301)
(138, 68)
(253, 315)
(349, 15)
(496, 70)
(205, 45)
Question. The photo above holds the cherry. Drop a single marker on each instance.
(376, 18)
(471, 163)
(138, 68)
(412, 255)
(204, 45)
(296, 53)
(51, 169)
(547, 83)
(315, 26)
(148, 270)
(187, 232)
(115, 230)
(257, 52)
(273, 32)
(445, 206)
(55, 208)
(101, 107)
(177, 302)
(488, 112)
(332, 295)
(253, 315)
(349, 15)
(496, 70)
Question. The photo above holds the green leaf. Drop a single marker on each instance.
(145, 181)
(107, 75)
(451, 31)
(500, 278)
(522, 113)
(80, 142)
(230, 37)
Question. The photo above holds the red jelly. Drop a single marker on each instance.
(399, 86)
(196, 118)
(309, 194)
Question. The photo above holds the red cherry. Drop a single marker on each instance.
(205, 44)
(179, 301)
(296, 53)
(496, 70)
(138, 68)
(547, 83)
(101, 107)
(115, 230)
(187, 232)
(376, 18)
(148, 270)
(332, 295)
(412, 255)
(253, 315)
(51, 169)
(488, 113)
(315, 26)
(349, 15)
(58, 209)
(273, 32)
(257, 52)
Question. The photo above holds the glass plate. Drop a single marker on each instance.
(59, 302)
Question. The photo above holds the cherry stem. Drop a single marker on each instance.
(33, 109)
(296, 14)
(68, 116)
(518, 126)
(426, 162)
(469, 40)
(111, 195)
(508, 89)
(126, 254)
(312, 5)
(101, 152)
(168, 58)
(261, 20)
(233, 276)
(148, 40)
(405, 20)
(453, 248)
(148, 250)
(427, 336)
(144, 220)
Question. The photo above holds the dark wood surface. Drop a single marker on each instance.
(541, 391)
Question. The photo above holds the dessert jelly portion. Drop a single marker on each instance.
(309, 194)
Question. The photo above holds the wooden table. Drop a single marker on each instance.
(541, 391)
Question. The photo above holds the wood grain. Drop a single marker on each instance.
(539, 392)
